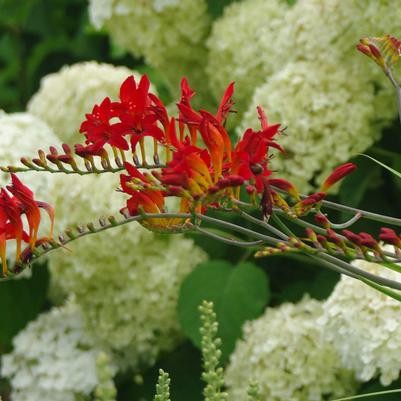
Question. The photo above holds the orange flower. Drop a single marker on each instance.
(11, 224)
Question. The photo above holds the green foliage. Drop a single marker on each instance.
(253, 392)
(163, 387)
(184, 366)
(216, 7)
(210, 344)
(38, 37)
(355, 185)
(239, 293)
(22, 300)
(106, 390)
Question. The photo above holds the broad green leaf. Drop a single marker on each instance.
(239, 293)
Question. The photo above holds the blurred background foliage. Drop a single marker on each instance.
(38, 37)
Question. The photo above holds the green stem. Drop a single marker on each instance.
(279, 222)
(355, 397)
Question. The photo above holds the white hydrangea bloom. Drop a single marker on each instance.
(126, 279)
(22, 134)
(364, 326)
(168, 33)
(128, 291)
(284, 352)
(330, 114)
(65, 96)
(54, 358)
(317, 30)
(242, 47)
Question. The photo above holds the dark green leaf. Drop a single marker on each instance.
(21, 300)
(239, 293)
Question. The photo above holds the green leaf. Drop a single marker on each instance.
(239, 293)
(21, 301)
(395, 172)
(384, 290)
(392, 266)
(216, 7)
(369, 395)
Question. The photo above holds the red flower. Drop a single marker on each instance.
(98, 129)
(135, 111)
(338, 174)
(11, 224)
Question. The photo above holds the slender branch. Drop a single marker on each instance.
(261, 223)
(355, 397)
(243, 244)
(348, 209)
(397, 88)
(368, 215)
(48, 169)
(346, 224)
(282, 225)
(269, 240)
(320, 230)
(372, 277)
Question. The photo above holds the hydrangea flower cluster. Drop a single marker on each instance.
(65, 96)
(312, 42)
(61, 366)
(325, 110)
(13, 129)
(128, 290)
(284, 352)
(363, 325)
(257, 24)
(170, 34)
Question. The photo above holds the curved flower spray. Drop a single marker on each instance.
(196, 162)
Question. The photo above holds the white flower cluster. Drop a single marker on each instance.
(298, 61)
(126, 280)
(54, 358)
(242, 47)
(364, 326)
(284, 352)
(22, 134)
(330, 117)
(65, 96)
(168, 33)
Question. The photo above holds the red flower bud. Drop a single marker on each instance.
(367, 240)
(322, 220)
(339, 173)
(352, 237)
(285, 186)
(213, 189)
(389, 236)
(333, 237)
(250, 189)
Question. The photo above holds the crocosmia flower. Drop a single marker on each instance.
(14, 203)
